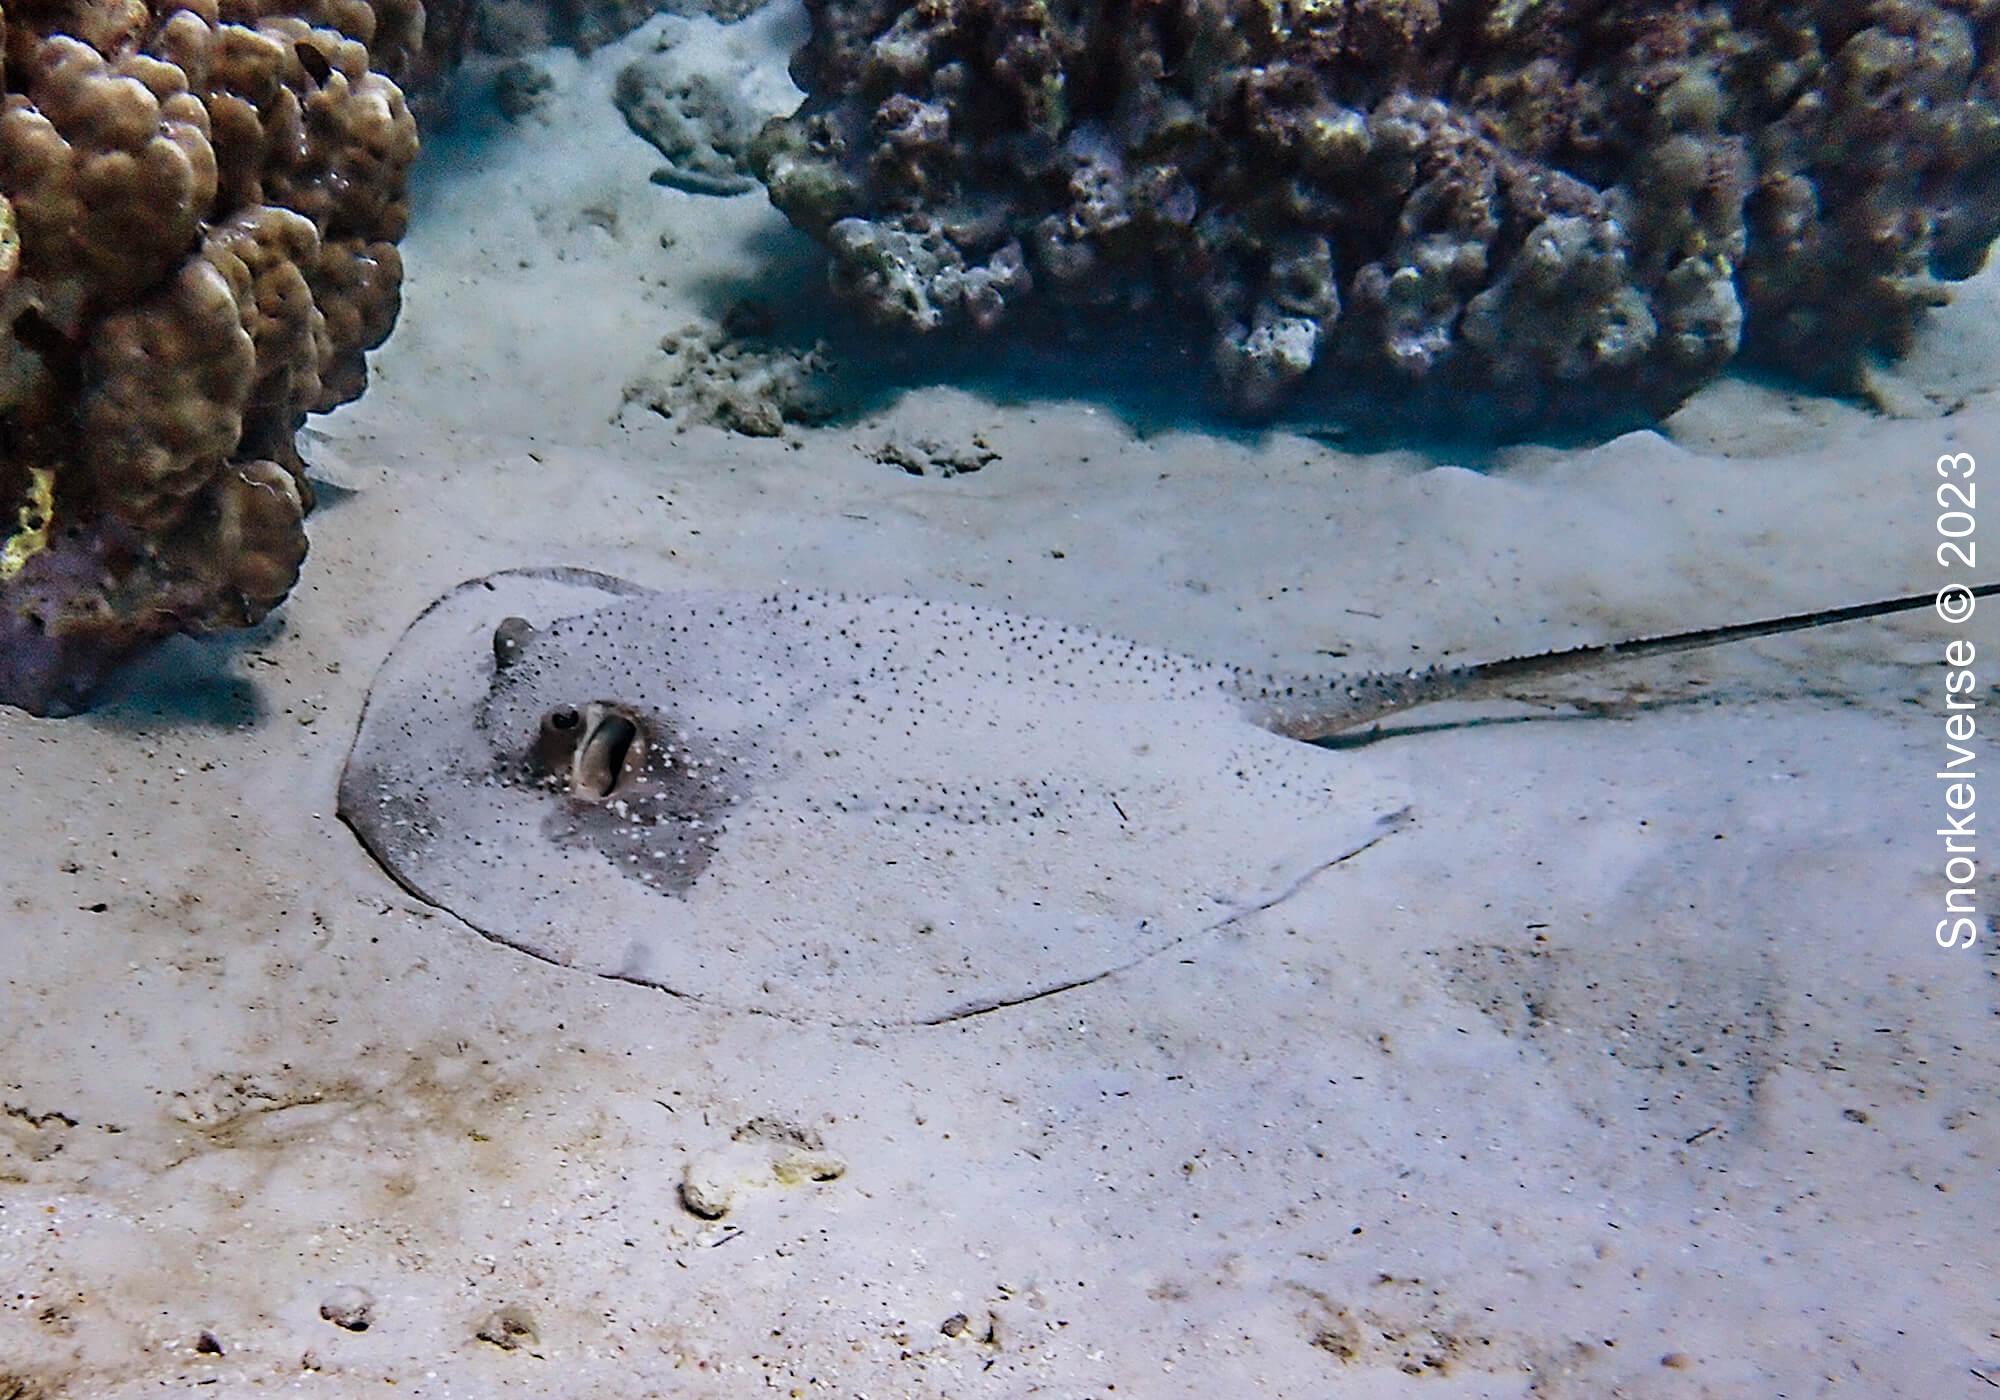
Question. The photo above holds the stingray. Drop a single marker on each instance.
(865, 810)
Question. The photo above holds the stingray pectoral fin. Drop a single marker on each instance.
(419, 727)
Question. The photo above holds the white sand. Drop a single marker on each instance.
(1635, 1047)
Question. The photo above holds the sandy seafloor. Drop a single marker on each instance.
(1629, 1068)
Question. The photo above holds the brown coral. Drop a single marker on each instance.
(199, 205)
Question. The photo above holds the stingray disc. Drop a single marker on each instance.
(869, 810)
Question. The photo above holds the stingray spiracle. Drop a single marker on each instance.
(592, 752)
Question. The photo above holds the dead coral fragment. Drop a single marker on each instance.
(743, 385)
(197, 228)
(509, 1328)
(927, 456)
(702, 129)
(1534, 212)
(762, 1151)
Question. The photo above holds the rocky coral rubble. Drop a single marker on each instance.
(199, 209)
(731, 376)
(1534, 212)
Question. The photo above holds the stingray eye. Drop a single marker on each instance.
(509, 637)
(554, 755)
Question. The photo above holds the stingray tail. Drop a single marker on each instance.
(1321, 710)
